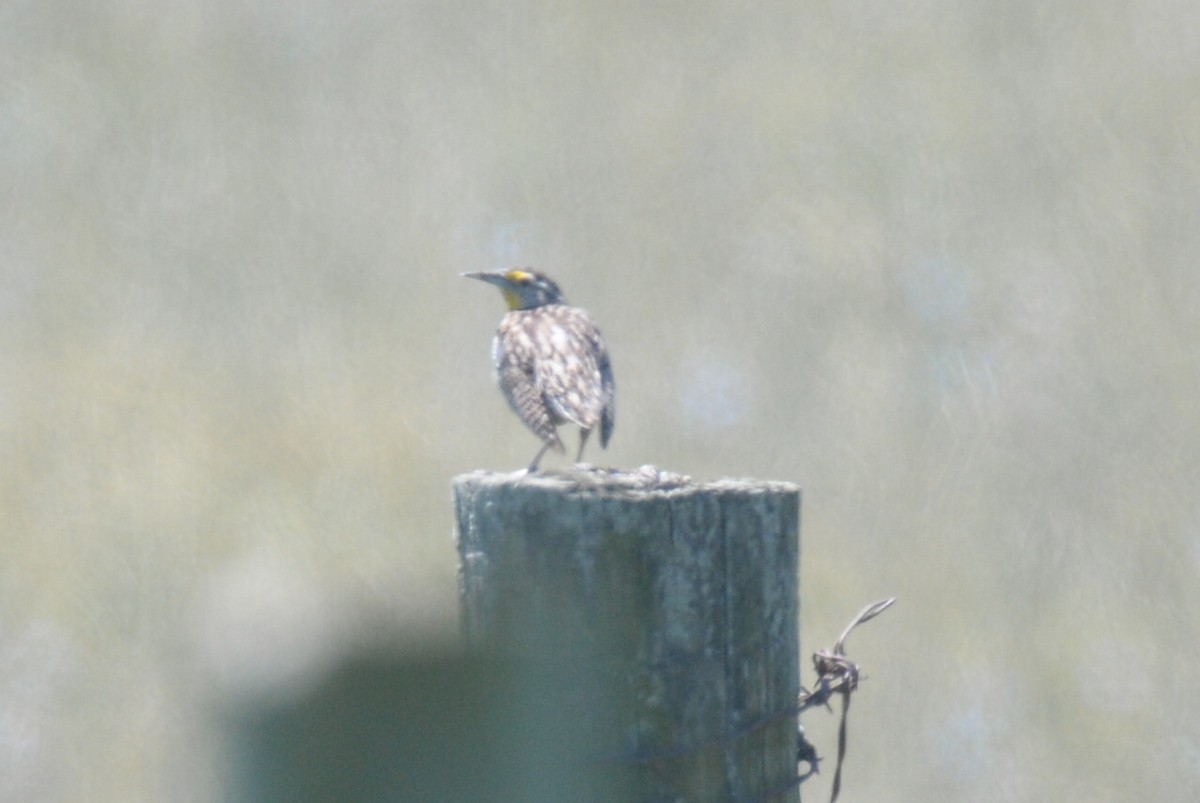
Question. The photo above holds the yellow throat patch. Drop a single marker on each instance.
(511, 298)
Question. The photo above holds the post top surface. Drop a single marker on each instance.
(646, 480)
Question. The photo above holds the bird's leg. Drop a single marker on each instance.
(538, 458)
(583, 436)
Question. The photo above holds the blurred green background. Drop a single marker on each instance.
(935, 262)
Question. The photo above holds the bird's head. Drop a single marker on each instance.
(522, 288)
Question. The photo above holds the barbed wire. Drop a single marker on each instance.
(836, 675)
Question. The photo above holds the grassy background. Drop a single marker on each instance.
(936, 262)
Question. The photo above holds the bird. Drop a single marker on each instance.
(551, 361)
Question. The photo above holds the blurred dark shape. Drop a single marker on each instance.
(434, 727)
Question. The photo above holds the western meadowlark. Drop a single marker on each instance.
(551, 362)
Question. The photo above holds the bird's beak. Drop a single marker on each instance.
(485, 276)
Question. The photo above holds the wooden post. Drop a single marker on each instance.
(679, 599)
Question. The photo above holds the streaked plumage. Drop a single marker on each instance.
(551, 361)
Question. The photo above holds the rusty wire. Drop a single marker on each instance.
(836, 675)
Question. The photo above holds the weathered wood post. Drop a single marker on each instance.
(679, 599)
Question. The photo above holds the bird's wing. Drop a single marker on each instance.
(515, 375)
(568, 369)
